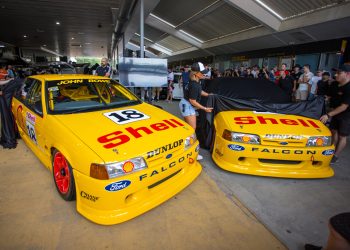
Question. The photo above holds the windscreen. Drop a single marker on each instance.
(83, 95)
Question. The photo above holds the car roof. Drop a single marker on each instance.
(50, 77)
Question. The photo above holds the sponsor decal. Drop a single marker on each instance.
(31, 132)
(99, 80)
(283, 137)
(236, 147)
(126, 116)
(164, 149)
(328, 152)
(284, 151)
(284, 143)
(30, 117)
(64, 82)
(274, 121)
(165, 168)
(88, 196)
(169, 156)
(119, 185)
(118, 137)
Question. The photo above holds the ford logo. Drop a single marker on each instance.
(116, 186)
(328, 152)
(168, 156)
(284, 143)
(236, 147)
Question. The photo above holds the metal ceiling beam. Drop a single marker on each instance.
(317, 17)
(133, 25)
(207, 10)
(257, 12)
(156, 23)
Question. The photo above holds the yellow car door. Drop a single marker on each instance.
(32, 117)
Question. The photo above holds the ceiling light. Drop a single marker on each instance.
(269, 9)
(81, 33)
(44, 45)
(87, 43)
(162, 20)
(195, 38)
(144, 38)
(25, 36)
(72, 38)
(58, 23)
(2, 46)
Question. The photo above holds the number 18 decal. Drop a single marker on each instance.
(126, 116)
(31, 132)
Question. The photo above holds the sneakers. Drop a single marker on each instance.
(334, 159)
(199, 157)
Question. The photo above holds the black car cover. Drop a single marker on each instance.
(249, 94)
(8, 126)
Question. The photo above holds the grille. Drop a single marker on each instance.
(163, 180)
(271, 161)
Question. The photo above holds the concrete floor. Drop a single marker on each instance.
(33, 216)
(220, 210)
(295, 210)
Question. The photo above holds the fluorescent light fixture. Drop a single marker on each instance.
(195, 38)
(165, 48)
(44, 45)
(2, 46)
(162, 20)
(72, 38)
(269, 9)
(58, 23)
(87, 43)
(25, 36)
(144, 38)
(50, 51)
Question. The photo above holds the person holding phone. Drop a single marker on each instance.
(192, 97)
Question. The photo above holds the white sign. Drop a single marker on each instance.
(126, 116)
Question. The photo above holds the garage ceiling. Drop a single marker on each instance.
(173, 30)
(85, 27)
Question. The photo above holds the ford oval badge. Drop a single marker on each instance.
(284, 143)
(116, 186)
(168, 156)
(328, 152)
(236, 147)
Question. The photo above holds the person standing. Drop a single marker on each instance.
(314, 81)
(303, 90)
(104, 69)
(10, 71)
(340, 122)
(286, 84)
(192, 97)
(170, 85)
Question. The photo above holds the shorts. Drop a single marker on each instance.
(341, 123)
(186, 108)
(301, 94)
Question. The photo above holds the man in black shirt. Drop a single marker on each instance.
(286, 83)
(323, 84)
(340, 123)
(104, 69)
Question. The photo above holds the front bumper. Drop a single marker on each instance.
(282, 161)
(147, 189)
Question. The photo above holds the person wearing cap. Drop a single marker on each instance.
(340, 122)
(192, 97)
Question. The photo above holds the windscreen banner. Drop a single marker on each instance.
(143, 72)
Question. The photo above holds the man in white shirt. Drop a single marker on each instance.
(314, 81)
(305, 83)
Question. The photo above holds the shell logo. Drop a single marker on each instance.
(128, 167)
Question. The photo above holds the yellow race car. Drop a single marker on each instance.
(274, 145)
(117, 156)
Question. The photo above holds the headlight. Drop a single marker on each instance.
(319, 141)
(112, 170)
(189, 141)
(241, 137)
